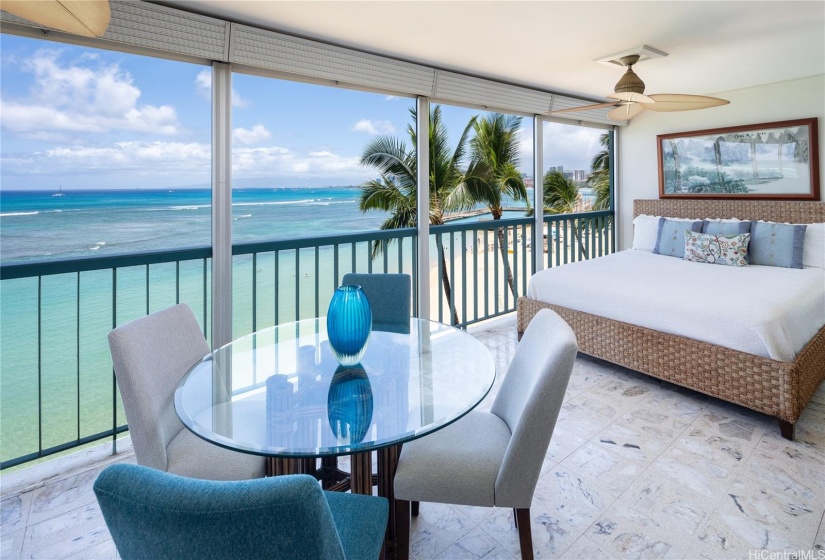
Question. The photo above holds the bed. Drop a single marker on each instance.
(758, 359)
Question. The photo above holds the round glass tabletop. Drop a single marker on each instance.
(280, 392)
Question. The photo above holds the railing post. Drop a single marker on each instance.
(221, 205)
(422, 220)
(612, 159)
(538, 193)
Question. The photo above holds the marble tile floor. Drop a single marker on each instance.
(637, 468)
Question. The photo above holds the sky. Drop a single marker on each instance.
(75, 117)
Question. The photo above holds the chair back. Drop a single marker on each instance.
(529, 402)
(150, 356)
(153, 514)
(389, 297)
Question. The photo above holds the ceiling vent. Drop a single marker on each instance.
(644, 53)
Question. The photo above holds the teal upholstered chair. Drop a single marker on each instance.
(494, 458)
(154, 514)
(389, 297)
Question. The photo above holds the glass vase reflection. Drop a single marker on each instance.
(349, 322)
(279, 405)
(350, 404)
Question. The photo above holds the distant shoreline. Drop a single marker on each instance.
(170, 189)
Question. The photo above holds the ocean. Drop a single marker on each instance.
(76, 311)
(69, 224)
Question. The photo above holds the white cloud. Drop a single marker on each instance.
(203, 83)
(121, 156)
(255, 135)
(203, 86)
(178, 159)
(391, 98)
(524, 138)
(374, 127)
(68, 97)
(276, 161)
(569, 145)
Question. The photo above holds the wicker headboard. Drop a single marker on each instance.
(768, 210)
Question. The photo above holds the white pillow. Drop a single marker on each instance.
(646, 230)
(813, 247)
(813, 251)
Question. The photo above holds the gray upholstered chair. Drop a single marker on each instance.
(389, 297)
(494, 458)
(150, 356)
(152, 514)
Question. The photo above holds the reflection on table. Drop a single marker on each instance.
(280, 392)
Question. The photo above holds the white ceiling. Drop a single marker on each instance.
(714, 46)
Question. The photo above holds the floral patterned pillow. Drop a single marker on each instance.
(731, 250)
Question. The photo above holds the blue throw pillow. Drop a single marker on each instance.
(725, 228)
(670, 239)
(775, 244)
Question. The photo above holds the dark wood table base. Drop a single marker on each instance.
(359, 480)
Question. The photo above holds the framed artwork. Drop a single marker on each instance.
(773, 161)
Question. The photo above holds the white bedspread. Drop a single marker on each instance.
(763, 310)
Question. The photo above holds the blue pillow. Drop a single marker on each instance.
(670, 239)
(775, 244)
(725, 228)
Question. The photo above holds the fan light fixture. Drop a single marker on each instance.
(631, 100)
(88, 18)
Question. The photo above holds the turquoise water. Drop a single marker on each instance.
(77, 311)
(40, 225)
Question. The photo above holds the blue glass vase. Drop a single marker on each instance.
(349, 322)
(349, 404)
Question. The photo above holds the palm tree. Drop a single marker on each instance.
(599, 179)
(494, 156)
(561, 196)
(396, 190)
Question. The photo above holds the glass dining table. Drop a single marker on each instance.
(281, 393)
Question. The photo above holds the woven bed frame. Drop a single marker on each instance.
(780, 389)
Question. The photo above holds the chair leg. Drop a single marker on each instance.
(515, 517)
(402, 529)
(414, 508)
(525, 536)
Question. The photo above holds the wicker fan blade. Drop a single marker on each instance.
(631, 96)
(88, 18)
(625, 112)
(585, 108)
(666, 102)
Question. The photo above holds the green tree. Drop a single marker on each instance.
(495, 176)
(561, 196)
(599, 179)
(396, 190)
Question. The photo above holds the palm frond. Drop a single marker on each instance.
(560, 195)
(389, 155)
(403, 216)
(382, 194)
(474, 189)
(512, 182)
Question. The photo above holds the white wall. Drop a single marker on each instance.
(638, 169)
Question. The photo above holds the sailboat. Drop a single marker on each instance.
(59, 191)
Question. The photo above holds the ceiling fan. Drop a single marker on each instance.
(88, 18)
(631, 100)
